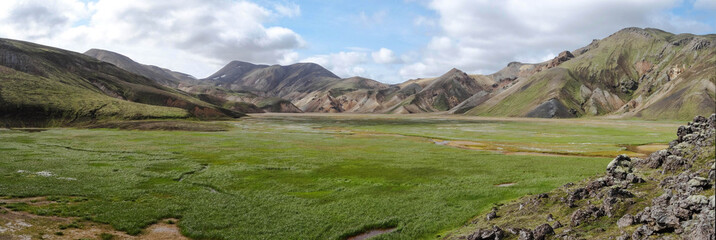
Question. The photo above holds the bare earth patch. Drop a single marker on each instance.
(371, 233)
(505, 184)
(22, 225)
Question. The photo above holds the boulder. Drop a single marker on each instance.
(698, 200)
(625, 221)
(526, 235)
(487, 234)
(702, 227)
(584, 215)
(673, 163)
(619, 167)
(682, 132)
(619, 192)
(562, 57)
(643, 232)
(699, 183)
(541, 231)
(656, 158)
(664, 220)
(492, 214)
(556, 225)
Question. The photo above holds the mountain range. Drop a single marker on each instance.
(633, 73)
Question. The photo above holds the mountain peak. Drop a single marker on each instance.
(454, 72)
(107, 56)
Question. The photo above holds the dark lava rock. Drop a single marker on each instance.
(584, 215)
(620, 167)
(552, 108)
(619, 192)
(699, 183)
(657, 158)
(526, 235)
(541, 231)
(484, 234)
(642, 232)
(575, 195)
(492, 214)
(674, 163)
(557, 225)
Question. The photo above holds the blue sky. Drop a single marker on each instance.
(331, 26)
(390, 41)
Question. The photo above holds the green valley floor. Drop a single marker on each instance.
(305, 176)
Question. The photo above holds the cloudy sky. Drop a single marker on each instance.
(390, 41)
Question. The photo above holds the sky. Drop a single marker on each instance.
(389, 41)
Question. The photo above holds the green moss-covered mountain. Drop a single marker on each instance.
(42, 86)
(644, 73)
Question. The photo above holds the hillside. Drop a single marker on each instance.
(163, 76)
(640, 73)
(41, 86)
(239, 101)
(668, 195)
(634, 73)
(644, 73)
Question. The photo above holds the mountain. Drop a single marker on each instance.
(356, 94)
(163, 76)
(288, 82)
(239, 100)
(643, 73)
(41, 85)
(639, 73)
(447, 92)
(634, 73)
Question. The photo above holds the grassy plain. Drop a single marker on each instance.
(305, 176)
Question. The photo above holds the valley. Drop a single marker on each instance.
(308, 176)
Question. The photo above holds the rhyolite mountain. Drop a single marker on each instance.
(634, 73)
(41, 86)
(642, 73)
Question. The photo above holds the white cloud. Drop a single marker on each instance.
(343, 64)
(205, 34)
(36, 19)
(482, 36)
(372, 19)
(384, 56)
(288, 9)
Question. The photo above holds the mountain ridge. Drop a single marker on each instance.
(43, 86)
(628, 74)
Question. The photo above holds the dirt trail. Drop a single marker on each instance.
(23, 225)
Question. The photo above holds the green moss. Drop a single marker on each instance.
(293, 177)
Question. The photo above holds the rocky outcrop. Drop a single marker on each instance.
(683, 208)
(668, 194)
(552, 108)
(562, 57)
